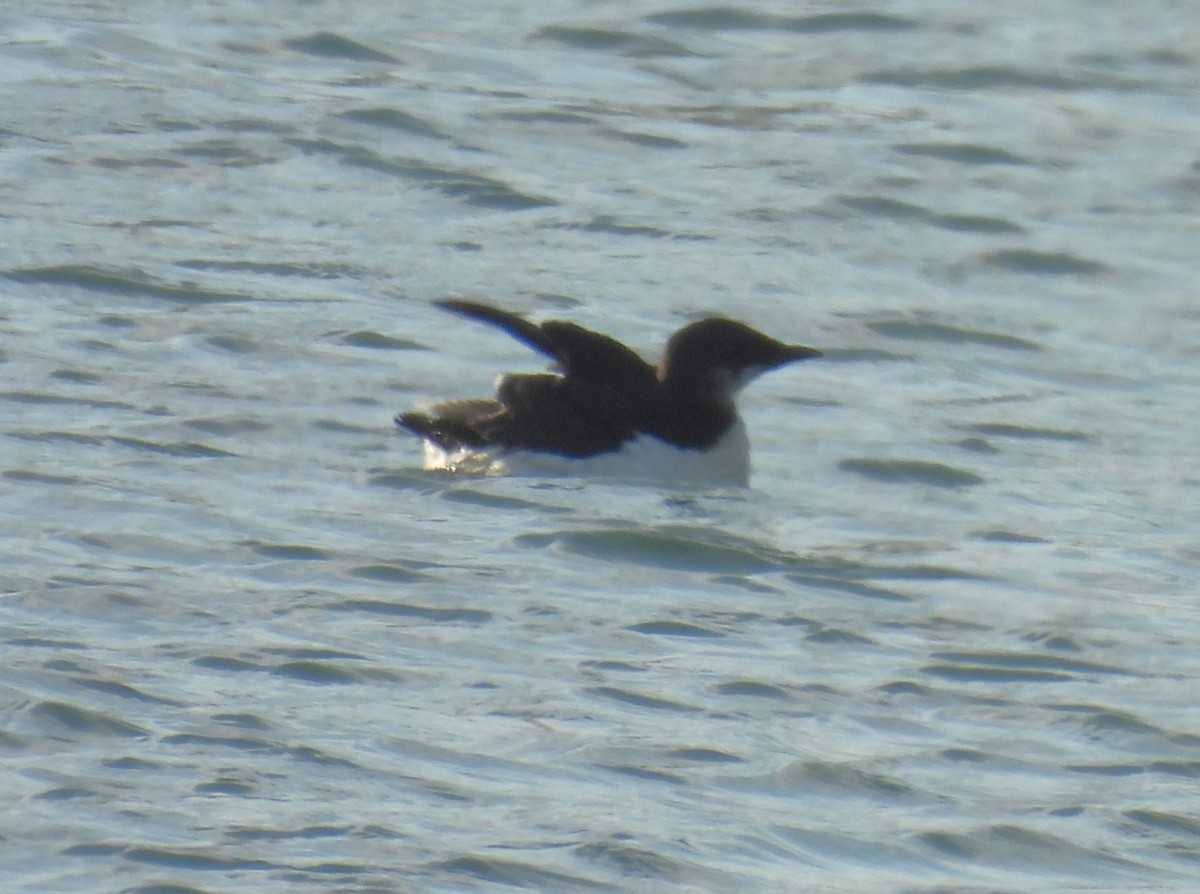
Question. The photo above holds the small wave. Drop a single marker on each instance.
(474, 189)
(923, 330)
(626, 43)
(516, 874)
(751, 689)
(1006, 430)
(123, 281)
(727, 18)
(641, 700)
(366, 338)
(1043, 263)
(673, 628)
(899, 471)
(962, 153)
(435, 614)
(328, 45)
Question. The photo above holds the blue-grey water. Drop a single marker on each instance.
(947, 641)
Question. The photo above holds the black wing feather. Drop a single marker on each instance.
(597, 403)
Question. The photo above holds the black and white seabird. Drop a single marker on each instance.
(603, 410)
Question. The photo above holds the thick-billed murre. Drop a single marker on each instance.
(604, 410)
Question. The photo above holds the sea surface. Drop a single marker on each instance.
(948, 640)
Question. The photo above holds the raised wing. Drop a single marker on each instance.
(599, 401)
(578, 353)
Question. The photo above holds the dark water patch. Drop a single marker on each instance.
(409, 480)
(516, 875)
(646, 140)
(315, 654)
(744, 583)
(899, 471)
(808, 776)
(236, 743)
(1187, 827)
(645, 774)
(83, 721)
(1100, 721)
(242, 721)
(394, 119)
(305, 833)
(1043, 263)
(475, 497)
(1034, 850)
(272, 268)
(225, 152)
(607, 40)
(121, 281)
(44, 398)
(674, 628)
(640, 700)
(76, 376)
(226, 663)
(983, 77)
(751, 689)
(473, 189)
(916, 330)
(1054, 641)
(229, 426)
(1007, 537)
(323, 672)
(605, 223)
(616, 854)
(906, 687)
(92, 849)
(705, 756)
(154, 888)
(855, 355)
(975, 223)
(962, 153)
(37, 642)
(975, 445)
(881, 206)
(854, 588)
(135, 163)
(344, 428)
(1005, 430)
(228, 787)
(65, 794)
(1028, 661)
(328, 45)
(366, 338)
(989, 674)
(672, 547)
(182, 449)
(135, 764)
(609, 664)
(234, 344)
(287, 551)
(419, 612)
(388, 573)
(729, 18)
(837, 636)
(195, 861)
(121, 690)
(548, 116)
(42, 478)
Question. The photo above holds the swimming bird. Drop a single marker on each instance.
(603, 410)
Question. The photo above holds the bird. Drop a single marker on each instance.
(603, 411)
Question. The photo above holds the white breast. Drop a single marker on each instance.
(642, 460)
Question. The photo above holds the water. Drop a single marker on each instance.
(946, 641)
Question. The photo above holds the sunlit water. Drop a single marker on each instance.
(949, 638)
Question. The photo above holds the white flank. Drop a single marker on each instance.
(644, 459)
